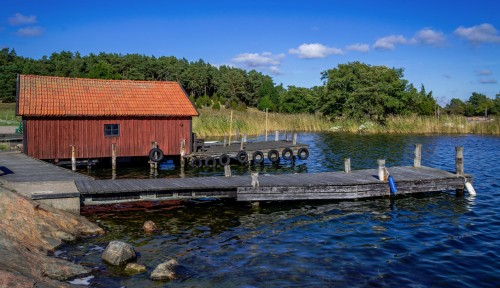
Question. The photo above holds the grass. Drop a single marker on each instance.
(252, 122)
(8, 115)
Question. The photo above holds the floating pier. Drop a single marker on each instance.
(55, 183)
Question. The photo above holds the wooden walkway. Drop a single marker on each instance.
(306, 186)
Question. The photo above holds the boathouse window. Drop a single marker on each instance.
(111, 130)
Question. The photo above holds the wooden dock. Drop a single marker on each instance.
(46, 182)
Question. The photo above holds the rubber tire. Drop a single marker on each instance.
(194, 162)
(259, 160)
(224, 160)
(242, 156)
(287, 154)
(275, 153)
(305, 151)
(209, 160)
(159, 155)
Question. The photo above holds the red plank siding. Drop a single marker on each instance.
(51, 138)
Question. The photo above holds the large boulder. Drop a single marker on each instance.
(118, 253)
(165, 271)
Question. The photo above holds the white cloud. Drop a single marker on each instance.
(259, 60)
(484, 33)
(315, 50)
(30, 32)
(389, 42)
(20, 19)
(265, 60)
(488, 81)
(358, 47)
(429, 37)
(484, 72)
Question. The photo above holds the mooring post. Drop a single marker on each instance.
(182, 153)
(113, 156)
(227, 171)
(225, 141)
(237, 134)
(381, 170)
(276, 135)
(459, 161)
(417, 160)
(73, 158)
(242, 142)
(255, 179)
(294, 138)
(347, 165)
(153, 165)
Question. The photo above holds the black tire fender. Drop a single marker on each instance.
(303, 153)
(258, 157)
(242, 156)
(287, 153)
(210, 162)
(156, 155)
(273, 156)
(194, 162)
(224, 160)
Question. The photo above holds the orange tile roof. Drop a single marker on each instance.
(59, 96)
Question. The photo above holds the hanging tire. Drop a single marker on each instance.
(258, 157)
(287, 154)
(303, 153)
(156, 155)
(210, 162)
(224, 160)
(242, 156)
(194, 162)
(273, 156)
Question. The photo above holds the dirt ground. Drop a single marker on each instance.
(8, 129)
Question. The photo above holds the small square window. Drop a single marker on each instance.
(111, 130)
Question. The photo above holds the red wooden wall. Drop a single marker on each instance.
(52, 138)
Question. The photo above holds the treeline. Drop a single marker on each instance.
(477, 105)
(352, 90)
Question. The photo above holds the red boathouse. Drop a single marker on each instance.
(92, 114)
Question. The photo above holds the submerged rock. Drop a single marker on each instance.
(149, 227)
(134, 268)
(118, 253)
(165, 271)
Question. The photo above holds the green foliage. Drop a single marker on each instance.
(216, 105)
(298, 100)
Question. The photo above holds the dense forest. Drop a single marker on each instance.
(352, 90)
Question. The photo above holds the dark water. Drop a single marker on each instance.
(429, 240)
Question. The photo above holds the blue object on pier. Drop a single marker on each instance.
(392, 185)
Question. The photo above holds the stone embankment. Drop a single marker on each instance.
(29, 232)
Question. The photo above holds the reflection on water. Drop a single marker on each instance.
(433, 239)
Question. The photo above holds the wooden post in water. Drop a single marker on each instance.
(294, 138)
(227, 171)
(182, 153)
(276, 135)
(237, 134)
(73, 158)
(113, 160)
(225, 141)
(381, 170)
(417, 160)
(459, 161)
(230, 126)
(243, 140)
(347, 165)
(266, 124)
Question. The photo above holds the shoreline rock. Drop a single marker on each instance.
(29, 232)
(118, 253)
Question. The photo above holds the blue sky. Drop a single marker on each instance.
(452, 47)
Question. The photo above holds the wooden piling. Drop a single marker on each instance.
(266, 124)
(227, 171)
(73, 157)
(381, 170)
(417, 160)
(459, 161)
(294, 138)
(347, 165)
(225, 141)
(237, 134)
(230, 126)
(276, 135)
(113, 156)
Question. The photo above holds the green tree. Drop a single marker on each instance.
(297, 100)
(456, 107)
(102, 70)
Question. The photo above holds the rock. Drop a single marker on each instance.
(118, 253)
(134, 268)
(165, 271)
(149, 227)
(29, 231)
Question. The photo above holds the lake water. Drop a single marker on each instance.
(429, 240)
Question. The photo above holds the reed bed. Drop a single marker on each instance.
(252, 122)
